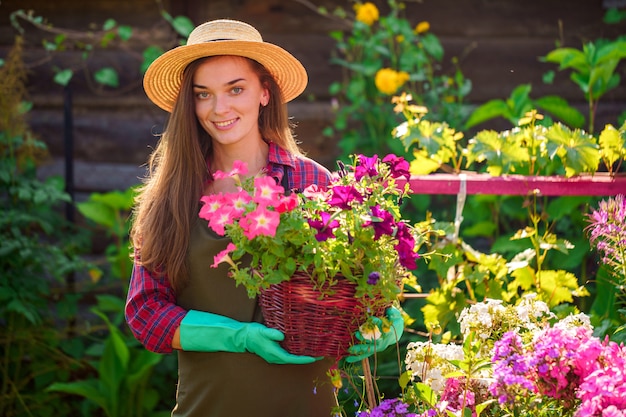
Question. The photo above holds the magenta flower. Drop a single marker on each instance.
(603, 391)
(382, 222)
(344, 195)
(399, 166)
(562, 358)
(366, 167)
(607, 232)
(406, 247)
(325, 226)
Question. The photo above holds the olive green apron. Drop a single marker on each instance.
(224, 384)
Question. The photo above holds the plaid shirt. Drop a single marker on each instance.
(151, 310)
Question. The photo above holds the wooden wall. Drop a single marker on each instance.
(498, 43)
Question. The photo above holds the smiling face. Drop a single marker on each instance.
(228, 96)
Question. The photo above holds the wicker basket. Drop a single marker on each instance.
(314, 325)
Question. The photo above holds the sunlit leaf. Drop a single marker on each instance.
(612, 145)
(577, 150)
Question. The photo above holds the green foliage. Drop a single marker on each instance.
(39, 249)
(379, 58)
(519, 103)
(90, 42)
(593, 68)
(121, 386)
(111, 211)
(530, 149)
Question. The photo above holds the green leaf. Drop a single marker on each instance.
(113, 365)
(89, 389)
(568, 58)
(183, 25)
(125, 32)
(141, 366)
(489, 110)
(97, 212)
(425, 393)
(524, 278)
(612, 144)
(433, 46)
(109, 24)
(557, 286)
(561, 207)
(107, 76)
(560, 108)
(422, 164)
(149, 55)
(63, 77)
(577, 150)
(501, 151)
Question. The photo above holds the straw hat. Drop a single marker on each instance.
(222, 37)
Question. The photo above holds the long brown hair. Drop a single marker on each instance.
(167, 203)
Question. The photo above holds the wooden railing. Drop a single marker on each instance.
(599, 184)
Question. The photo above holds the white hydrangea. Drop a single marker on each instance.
(430, 362)
(574, 321)
(480, 318)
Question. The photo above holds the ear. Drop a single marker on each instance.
(265, 97)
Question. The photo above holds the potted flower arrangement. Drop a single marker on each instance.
(338, 254)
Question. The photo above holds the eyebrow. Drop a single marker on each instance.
(228, 83)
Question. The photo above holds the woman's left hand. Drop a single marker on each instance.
(378, 338)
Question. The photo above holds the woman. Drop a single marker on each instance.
(226, 91)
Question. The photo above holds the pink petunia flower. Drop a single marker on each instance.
(220, 218)
(266, 190)
(260, 222)
(224, 256)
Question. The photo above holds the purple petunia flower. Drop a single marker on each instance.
(383, 224)
(373, 278)
(325, 227)
(399, 166)
(343, 196)
(367, 167)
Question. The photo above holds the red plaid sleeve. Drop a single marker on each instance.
(151, 310)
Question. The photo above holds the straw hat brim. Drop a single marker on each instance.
(163, 78)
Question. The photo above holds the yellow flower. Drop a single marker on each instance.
(388, 80)
(366, 13)
(422, 27)
(400, 38)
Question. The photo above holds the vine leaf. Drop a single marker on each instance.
(577, 150)
(502, 152)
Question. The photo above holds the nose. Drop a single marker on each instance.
(221, 104)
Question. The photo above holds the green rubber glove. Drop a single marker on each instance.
(367, 348)
(207, 332)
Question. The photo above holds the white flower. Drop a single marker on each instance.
(430, 362)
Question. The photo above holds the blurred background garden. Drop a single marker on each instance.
(499, 87)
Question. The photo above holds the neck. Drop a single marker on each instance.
(254, 155)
